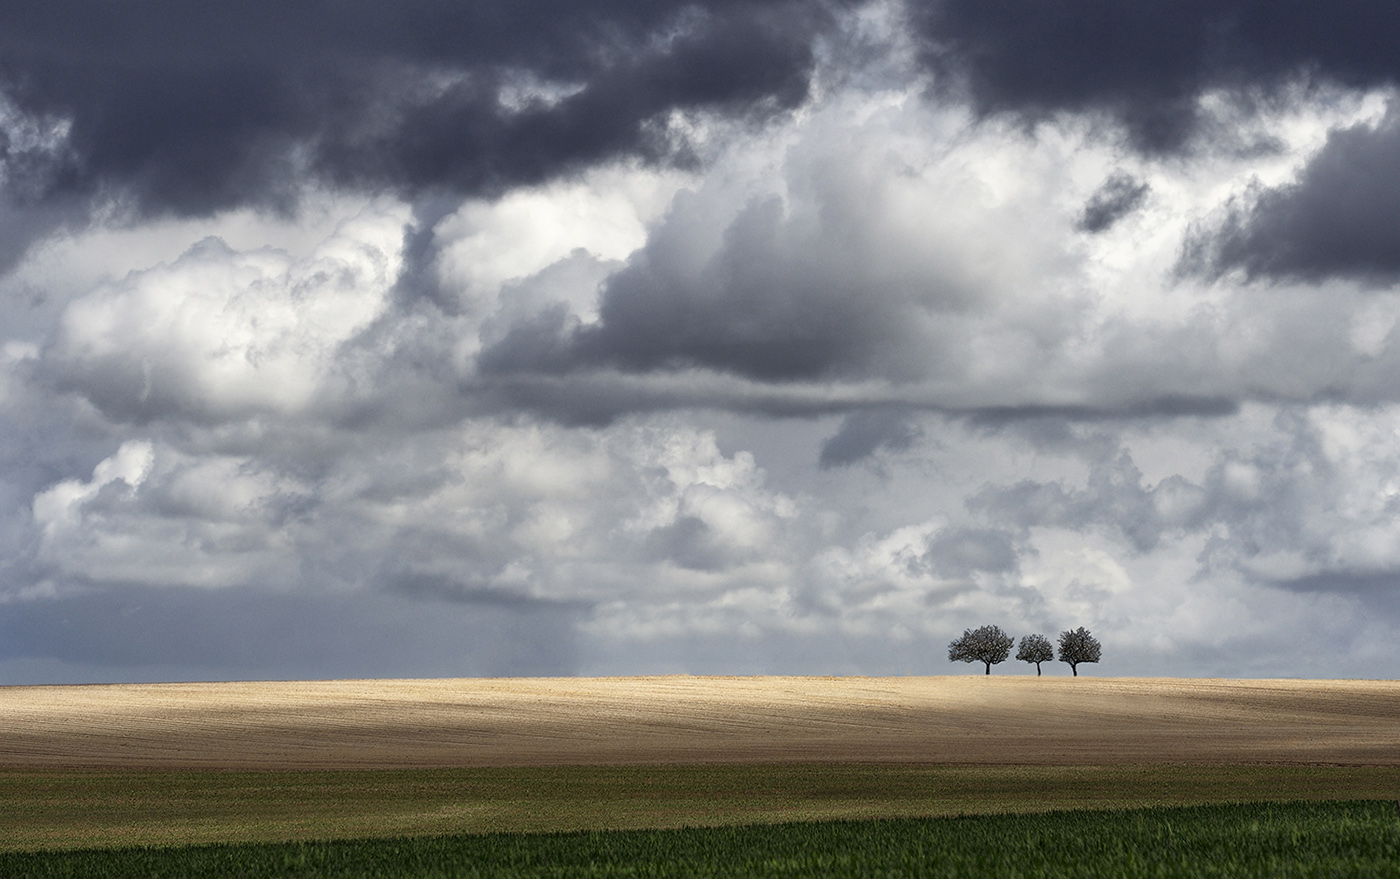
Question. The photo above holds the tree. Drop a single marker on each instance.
(986, 644)
(1037, 649)
(1078, 646)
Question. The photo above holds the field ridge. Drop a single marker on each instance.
(439, 723)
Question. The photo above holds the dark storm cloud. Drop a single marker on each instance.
(192, 107)
(1145, 62)
(1120, 195)
(1340, 218)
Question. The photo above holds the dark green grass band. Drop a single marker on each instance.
(56, 809)
(1301, 839)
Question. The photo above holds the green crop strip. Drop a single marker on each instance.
(56, 809)
(1357, 839)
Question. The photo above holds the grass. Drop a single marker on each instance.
(1299, 839)
(64, 809)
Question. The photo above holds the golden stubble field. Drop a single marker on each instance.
(700, 720)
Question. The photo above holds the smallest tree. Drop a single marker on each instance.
(1078, 646)
(1037, 649)
(986, 644)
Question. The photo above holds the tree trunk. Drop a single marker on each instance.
(989, 668)
(1075, 669)
(1037, 669)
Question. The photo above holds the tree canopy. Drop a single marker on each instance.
(988, 645)
(1037, 649)
(1078, 646)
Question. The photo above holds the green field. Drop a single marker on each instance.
(1355, 838)
(55, 809)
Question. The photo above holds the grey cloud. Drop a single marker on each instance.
(479, 592)
(538, 344)
(1055, 417)
(24, 225)
(596, 398)
(1120, 195)
(864, 433)
(766, 306)
(1282, 506)
(780, 293)
(189, 108)
(551, 384)
(1383, 585)
(959, 552)
(1290, 497)
(1113, 496)
(1146, 62)
(689, 543)
(418, 278)
(1265, 498)
(122, 390)
(1340, 218)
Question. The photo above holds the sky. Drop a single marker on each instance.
(473, 338)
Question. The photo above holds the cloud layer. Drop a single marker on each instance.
(743, 336)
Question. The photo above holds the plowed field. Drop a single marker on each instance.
(700, 720)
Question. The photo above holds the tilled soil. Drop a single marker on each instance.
(559, 721)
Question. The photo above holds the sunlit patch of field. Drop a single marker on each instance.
(699, 720)
(187, 763)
